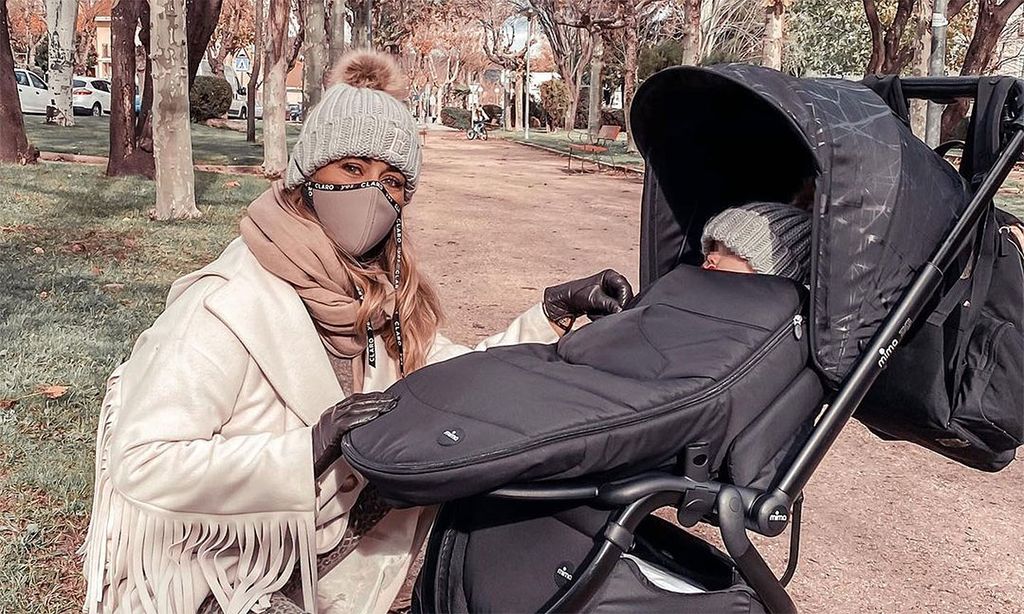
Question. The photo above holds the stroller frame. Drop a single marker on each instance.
(735, 509)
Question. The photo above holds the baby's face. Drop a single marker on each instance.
(721, 258)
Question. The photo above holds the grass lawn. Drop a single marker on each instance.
(559, 141)
(84, 272)
(91, 136)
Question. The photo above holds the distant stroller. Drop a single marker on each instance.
(722, 394)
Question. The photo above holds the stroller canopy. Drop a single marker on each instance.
(719, 137)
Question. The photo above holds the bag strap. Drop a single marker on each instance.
(956, 293)
(982, 275)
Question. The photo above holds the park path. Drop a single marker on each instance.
(887, 527)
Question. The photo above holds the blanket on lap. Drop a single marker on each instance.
(697, 358)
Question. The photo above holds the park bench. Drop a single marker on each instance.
(584, 143)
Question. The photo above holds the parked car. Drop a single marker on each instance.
(33, 93)
(90, 95)
(238, 106)
(294, 112)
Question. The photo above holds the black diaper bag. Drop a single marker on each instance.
(957, 384)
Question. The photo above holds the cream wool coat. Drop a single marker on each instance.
(204, 478)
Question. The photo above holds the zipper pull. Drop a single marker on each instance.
(798, 326)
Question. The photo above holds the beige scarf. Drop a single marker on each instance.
(298, 251)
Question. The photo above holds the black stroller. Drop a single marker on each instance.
(550, 460)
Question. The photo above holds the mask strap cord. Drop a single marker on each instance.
(396, 319)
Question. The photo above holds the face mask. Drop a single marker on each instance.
(357, 216)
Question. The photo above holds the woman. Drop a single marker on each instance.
(218, 475)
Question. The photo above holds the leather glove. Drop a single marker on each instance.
(599, 295)
(355, 410)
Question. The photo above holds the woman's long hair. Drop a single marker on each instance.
(416, 299)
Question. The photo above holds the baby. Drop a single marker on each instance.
(767, 238)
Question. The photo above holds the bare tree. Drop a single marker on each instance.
(172, 143)
(498, 40)
(315, 53)
(234, 32)
(570, 44)
(275, 146)
(60, 27)
(14, 146)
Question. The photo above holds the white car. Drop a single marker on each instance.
(238, 107)
(90, 95)
(33, 92)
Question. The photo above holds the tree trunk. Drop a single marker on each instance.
(691, 32)
(517, 95)
(60, 29)
(596, 84)
(360, 25)
(126, 156)
(314, 54)
(14, 147)
(771, 53)
(275, 147)
(574, 103)
(922, 56)
(336, 31)
(201, 19)
(175, 178)
(144, 118)
(629, 77)
(254, 76)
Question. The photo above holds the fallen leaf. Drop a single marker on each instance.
(113, 287)
(44, 295)
(152, 214)
(95, 270)
(7, 403)
(54, 391)
(232, 184)
(77, 247)
(37, 250)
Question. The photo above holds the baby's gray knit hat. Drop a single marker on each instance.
(775, 238)
(359, 115)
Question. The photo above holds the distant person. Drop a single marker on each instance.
(220, 484)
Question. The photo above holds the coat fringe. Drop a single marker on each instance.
(146, 554)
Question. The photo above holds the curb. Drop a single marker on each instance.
(619, 167)
(222, 169)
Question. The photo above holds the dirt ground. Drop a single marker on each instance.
(887, 527)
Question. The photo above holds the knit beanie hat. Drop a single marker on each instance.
(775, 238)
(359, 115)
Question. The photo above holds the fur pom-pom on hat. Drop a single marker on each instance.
(361, 114)
(372, 70)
